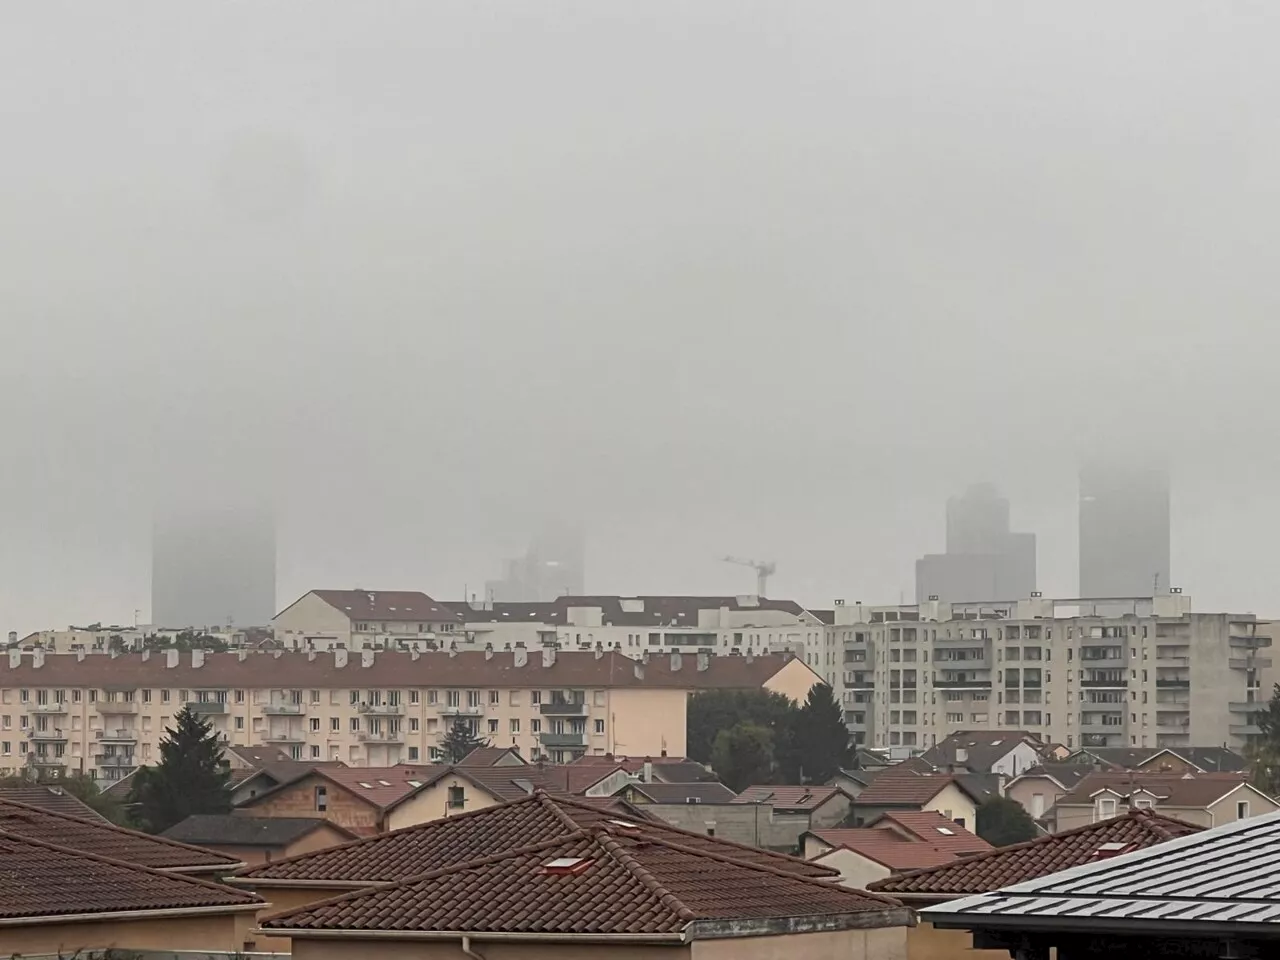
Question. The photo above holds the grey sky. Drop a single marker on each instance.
(724, 277)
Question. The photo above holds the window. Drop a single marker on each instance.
(493, 726)
(599, 726)
(413, 753)
(354, 698)
(535, 697)
(1106, 807)
(433, 697)
(457, 798)
(495, 697)
(335, 725)
(355, 724)
(239, 723)
(315, 696)
(146, 697)
(413, 696)
(322, 799)
(413, 724)
(315, 724)
(239, 696)
(315, 751)
(515, 726)
(1242, 810)
(535, 725)
(164, 696)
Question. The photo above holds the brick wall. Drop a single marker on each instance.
(299, 800)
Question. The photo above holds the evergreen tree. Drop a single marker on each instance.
(459, 741)
(714, 711)
(1263, 749)
(821, 746)
(191, 776)
(1002, 821)
(742, 755)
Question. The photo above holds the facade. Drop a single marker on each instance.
(366, 620)
(213, 566)
(1205, 799)
(105, 715)
(1156, 676)
(984, 560)
(1124, 530)
(903, 792)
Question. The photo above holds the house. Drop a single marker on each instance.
(801, 808)
(365, 619)
(944, 793)
(436, 844)
(615, 888)
(897, 842)
(493, 757)
(1038, 789)
(105, 839)
(706, 792)
(55, 901)
(929, 826)
(246, 784)
(256, 840)
(1206, 799)
(1006, 752)
(1204, 894)
(1016, 864)
(52, 798)
(1167, 759)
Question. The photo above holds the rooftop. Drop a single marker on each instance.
(604, 880)
(1216, 759)
(904, 789)
(982, 748)
(1020, 862)
(396, 606)
(1172, 789)
(623, 611)
(1067, 775)
(892, 851)
(704, 792)
(932, 827)
(229, 830)
(788, 798)
(481, 833)
(51, 798)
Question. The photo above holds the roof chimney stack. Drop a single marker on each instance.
(704, 661)
(676, 661)
(339, 658)
(548, 657)
(15, 658)
(37, 657)
(170, 658)
(197, 658)
(366, 658)
(519, 656)
(146, 655)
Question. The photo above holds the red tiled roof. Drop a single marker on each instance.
(1172, 789)
(933, 828)
(787, 797)
(396, 606)
(905, 789)
(895, 853)
(573, 779)
(54, 799)
(489, 756)
(106, 839)
(707, 792)
(394, 669)
(612, 881)
(42, 879)
(481, 833)
(1037, 858)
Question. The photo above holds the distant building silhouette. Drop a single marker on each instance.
(1124, 530)
(984, 560)
(553, 566)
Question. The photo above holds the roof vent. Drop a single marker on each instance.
(566, 866)
(1108, 850)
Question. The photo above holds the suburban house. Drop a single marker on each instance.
(1017, 864)
(365, 619)
(616, 888)
(438, 844)
(929, 826)
(897, 842)
(1207, 894)
(1165, 759)
(257, 840)
(1038, 789)
(1005, 752)
(248, 784)
(1206, 799)
(493, 757)
(709, 791)
(892, 791)
(56, 901)
(800, 808)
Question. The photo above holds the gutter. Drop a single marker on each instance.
(487, 937)
(109, 916)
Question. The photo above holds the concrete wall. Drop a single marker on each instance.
(855, 869)
(312, 617)
(926, 942)
(645, 723)
(227, 932)
(794, 680)
(755, 824)
(341, 806)
(952, 802)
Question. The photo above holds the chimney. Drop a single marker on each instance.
(414, 655)
(37, 657)
(750, 655)
(240, 655)
(639, 671)
(648, 771)
(197, 658)
(599, 652)
(170, 658)
(311, 655)
(676, 661)
(704, 661)
(453, 652)
(113, 653)
(548, 657)
(277, 654)
(488, 651)
(366, 658)
(80, 655)
(962, 755)
(15, 659)
(519, 656)
(146, 655)
(339, 658)
(644, 656)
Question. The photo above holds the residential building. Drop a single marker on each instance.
(1124, 530)
(106, 715)
(1207, 799)
(438, 844)
(366, 620)
(800, 808)
(1016, 864)
(1004, 752)
(1038, 789)
(703, 792)
(895, 843)
(617, 886)
(1158, 676)
(893, 792)
(1208, 894)
(258, 840)
(984, 559)
(1166, 759)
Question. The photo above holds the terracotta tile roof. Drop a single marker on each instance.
(1216, 759)
(42, 879)
(489, 756)
(394, 669)
(226, 829)
(931, 827)
(107, 840)
(254, 756)
(603, 880)
(1065, 774)
(1037, 858)
(573, 779)
(54, 799)
(788, 798)
(896, 854)
(381, 787)
(440, 843)
(983, 748)
(396, 606)
(508, 783)
(1171, 789)
(903, 789)
(839, 836)
(682, 792)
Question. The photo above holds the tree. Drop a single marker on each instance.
(79, 785)
(715, 711)
(459, 741)
(1263, 749)
(191, 776)
(743, 755)
(821, 737)
(1002, 821)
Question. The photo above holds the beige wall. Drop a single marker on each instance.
(432, 803)
(341, 806)
(794, 680)
(855, 870)
(926, 942)
(227, 932)
(1024, 792)
(312, 617)
(1069, 816)
(889, 943)
(645, 722)
(281, 899)
(952, 802)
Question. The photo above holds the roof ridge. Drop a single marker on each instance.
(104, 824)
(606, 839)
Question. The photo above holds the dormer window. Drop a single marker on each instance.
(1106, 808)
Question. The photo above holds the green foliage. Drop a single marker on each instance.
(1002, 821)
(185, 640)
(79, 785)
(821, 741)
(714, 711)
(459, 741)
(190, 777)
(1263, 750)
(744, 754)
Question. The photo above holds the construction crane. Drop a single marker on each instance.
(763, 572)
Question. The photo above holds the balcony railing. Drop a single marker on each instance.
(364, 736)
(47, 707)
(382, 709)
(55, 734)
(962, 684)
(207, 706)
(116, 706)
(284, 736)
(1245, 729)
(1249, 641)
(115, 760)
(1249, 663)
(1122, 682)
(118, 735)
(283, 709)
(1249, 706)
(557, 709)
(458, 710)
(1173, 684)
(562, 739)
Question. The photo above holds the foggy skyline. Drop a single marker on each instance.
(716, 279)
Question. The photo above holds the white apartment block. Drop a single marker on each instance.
(367, 620)
(1158, 675)
(105, 715)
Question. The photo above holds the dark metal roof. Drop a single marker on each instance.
(228, 830)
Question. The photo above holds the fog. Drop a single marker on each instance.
(725, 277)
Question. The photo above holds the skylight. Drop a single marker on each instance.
(946, 831)
(415, 783)
(566, 865)
(384, 783)
(624, 823)
(1110, 847)
(367, 786)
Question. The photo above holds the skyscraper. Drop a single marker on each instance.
(984, 561)
(1124, 529)
(553, 566)
(213, 566)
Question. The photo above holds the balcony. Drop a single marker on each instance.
(55, 766)
(1122, 682)
(48, 736)
(382, 737)
(1173, 684)
(47, 707)
(116, 706)
(563, 709)
(1174, 661)
(1249, 663)
(119, 735)
(563, 739)
(457, 710)
(382, 709)
(865, 684)
(1249, 641)
(855, 718)
(284, 736)
(1245, 730)
(1249, 706)
(283, 709)
(115, 761)
(207, 706)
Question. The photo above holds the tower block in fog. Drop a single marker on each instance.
(985, 560)
(1124, 530)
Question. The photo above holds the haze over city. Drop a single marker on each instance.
(771, 281)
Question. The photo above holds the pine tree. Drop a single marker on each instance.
(1002, 821)
(821, 744)
(460, 741)
(190, 777)
(743, 755)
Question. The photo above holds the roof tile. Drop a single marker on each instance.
(788, 797)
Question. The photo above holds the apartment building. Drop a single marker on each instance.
(105, 715)
(1156, 676)
(366, 620)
